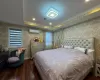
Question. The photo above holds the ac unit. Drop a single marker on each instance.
(34, 31)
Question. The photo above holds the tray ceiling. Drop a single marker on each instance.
(69, 11)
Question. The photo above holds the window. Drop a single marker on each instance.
(48, 40)
(15, 37)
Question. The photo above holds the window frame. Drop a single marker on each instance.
(9, 37)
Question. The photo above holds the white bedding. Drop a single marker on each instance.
(63, 64)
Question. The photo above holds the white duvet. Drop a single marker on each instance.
(63, 64)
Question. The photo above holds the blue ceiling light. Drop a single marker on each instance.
(52, 13)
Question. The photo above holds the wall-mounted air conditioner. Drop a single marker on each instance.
(34, 31)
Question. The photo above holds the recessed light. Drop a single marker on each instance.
(50, 23)
(87, 0)
(33, 19)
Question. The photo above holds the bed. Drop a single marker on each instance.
(65, 64)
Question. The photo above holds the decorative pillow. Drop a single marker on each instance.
(13, 59)
(68, 47)
(62, 46)
(90, 53)
(19, 51)
(81, 49)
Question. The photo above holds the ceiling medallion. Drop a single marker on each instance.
(52, 13)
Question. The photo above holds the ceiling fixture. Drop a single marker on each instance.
(50, 23)
(87, 0)
(52, 13)
(33, 19)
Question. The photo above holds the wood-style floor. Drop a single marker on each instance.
(27, 71)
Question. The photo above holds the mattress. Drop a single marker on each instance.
(62, 64)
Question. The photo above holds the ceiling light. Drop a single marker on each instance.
(94, 11)
(33, 19)
(50, 23)
(52, 13)
(87, 0)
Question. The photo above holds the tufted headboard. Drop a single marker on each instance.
(87, 43)
(79, 42)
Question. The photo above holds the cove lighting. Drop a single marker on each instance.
(52, 13)
(46, 27)
(94, 11)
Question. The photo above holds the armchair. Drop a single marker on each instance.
(21, 59)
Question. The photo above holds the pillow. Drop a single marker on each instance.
(81, 49)
(68, 47)
(13, 59)
(19, 51)
(90, 53)
(62, 46)
(21, 48)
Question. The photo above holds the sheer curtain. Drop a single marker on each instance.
(48, 40)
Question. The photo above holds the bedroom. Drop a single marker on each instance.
(49, 40)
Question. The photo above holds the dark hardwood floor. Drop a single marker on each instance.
(27, 71)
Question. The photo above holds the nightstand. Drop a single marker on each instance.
(97, 70)
(97, 67)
